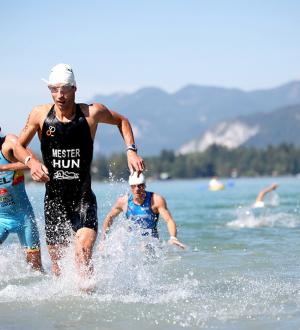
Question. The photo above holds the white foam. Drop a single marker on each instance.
(249, 218)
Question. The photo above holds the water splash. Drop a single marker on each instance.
(262, 217)
(272, 199)
(136, 287)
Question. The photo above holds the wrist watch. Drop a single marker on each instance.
(132, 147)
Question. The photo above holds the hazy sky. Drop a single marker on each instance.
(118, 46)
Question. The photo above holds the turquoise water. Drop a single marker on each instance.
(238, 272)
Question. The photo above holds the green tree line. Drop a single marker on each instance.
(216, 160)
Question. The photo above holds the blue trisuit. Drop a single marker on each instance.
(143, 215)
(16, 213)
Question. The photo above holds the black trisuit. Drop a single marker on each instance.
(67, 150)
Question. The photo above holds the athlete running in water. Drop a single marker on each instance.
(142, 208)
(66, 130)
(16, 213)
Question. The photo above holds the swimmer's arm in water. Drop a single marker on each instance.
(117, 208)
(260, 197)
(160, 204)
(39, 172)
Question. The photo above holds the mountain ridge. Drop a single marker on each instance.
(256, 130)
(163, 120)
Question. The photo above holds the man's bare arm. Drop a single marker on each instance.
(161, 205)
(7, 151)
(260, 197)
(104, 115)
(38, 170)
(13, 167)
(118, 207)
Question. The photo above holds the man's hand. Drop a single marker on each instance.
(274, 186)
(135, 162)
(39, 171)
(174, 241)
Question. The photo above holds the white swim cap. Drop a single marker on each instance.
(258, 205)
(134, 179)
(61, 74)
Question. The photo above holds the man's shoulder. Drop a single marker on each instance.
(95, 107)
(42, 109)
(122, 201)
(154, 194)
(91, 109)
(9, 141)
(10, 138)
(39, 113)
(157, 199)
(46, 106)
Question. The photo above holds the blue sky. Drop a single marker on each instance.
(116, 46)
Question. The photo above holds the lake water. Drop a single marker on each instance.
(238, 272)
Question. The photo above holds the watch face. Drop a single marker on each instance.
(132, 147)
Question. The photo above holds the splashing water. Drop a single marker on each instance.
(228, 279)
(273, 199)
(262, 217)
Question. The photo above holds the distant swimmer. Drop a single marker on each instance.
(256, 215)
(16, 213)
(142, 208)
(66, 130)
(259, 202)
(215, 184)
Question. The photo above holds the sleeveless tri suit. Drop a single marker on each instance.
(67, 150)
(16, 213)
(142, 215)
